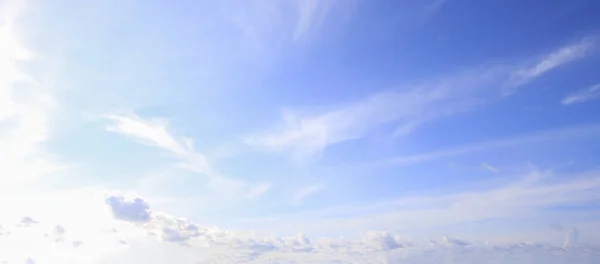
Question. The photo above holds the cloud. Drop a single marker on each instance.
(269, 27)
(382, 241)
(529, 196)
(259, 190)
(490, 167)
(311, 14)
(59, 230)
(154, 132)
(164, 238)
(303, 193)
(576, 132)
(27, 221)
(309, 134)
(133, 210)
(549, 62)
(591, 93)
(454, 242)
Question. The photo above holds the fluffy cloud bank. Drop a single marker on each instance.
(136, 234)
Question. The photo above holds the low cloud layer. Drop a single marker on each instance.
(151, 236)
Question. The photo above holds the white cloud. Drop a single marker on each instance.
(134, 210)
(584, 95)
(155, 132)
(549, 62)
(303, 193)
(307, 135)
(28, 221)
(164, 238)
(59, 230)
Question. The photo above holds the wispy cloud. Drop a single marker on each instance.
(549, 62)
(303, 193)
(269, 27)
(527, 196)
(154, 132)
(307, 135)
(259, 190)
(578, 132)
(489, 167)
(591, 93)
(311, 14)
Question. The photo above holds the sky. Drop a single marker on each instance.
(299, 131)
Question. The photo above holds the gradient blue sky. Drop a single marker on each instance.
(474, 119)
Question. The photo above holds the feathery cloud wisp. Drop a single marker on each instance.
(584, 95)
(305, 192)
(154, 132)
(549, 62)
(307, 135)
(489, 167)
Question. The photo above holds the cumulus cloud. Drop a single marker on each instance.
(77, 243)
(59, 230)
(163, 238)
(581, 96)
(133, 210)
(27, 221)
(454, 242)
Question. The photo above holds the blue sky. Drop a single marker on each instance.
(475, 120)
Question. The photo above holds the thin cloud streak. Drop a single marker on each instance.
(303, 193)
(308, 135)
(527, 196)
(582, 96)
(549, 62)
(154, 132)
(578, 132)
(489, 167)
